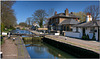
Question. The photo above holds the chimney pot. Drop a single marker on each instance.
(88, 13)
(71, 12)
(66, 8)
(55, 12)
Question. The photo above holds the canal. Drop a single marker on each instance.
(39, 49)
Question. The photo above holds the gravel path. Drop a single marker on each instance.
(9, 49)
(14, 49)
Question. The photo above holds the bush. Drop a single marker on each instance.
(83, 37)
(23, 29)
(11, 27)
(87, 37)
(93, 38)
(2, 27)
(2, 40)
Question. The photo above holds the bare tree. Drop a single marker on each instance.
(50, 14)
(28, 21)
(39, 16)
(93, 10)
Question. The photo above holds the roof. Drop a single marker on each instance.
(88, 24)
(63, 15)
(69, 21)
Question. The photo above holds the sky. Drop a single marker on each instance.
(25, 9)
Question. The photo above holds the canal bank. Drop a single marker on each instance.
(22, 52)
(41, 50)
(77, 51)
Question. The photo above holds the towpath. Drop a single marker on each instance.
(14, 49)
(90, 45)
(9, 49)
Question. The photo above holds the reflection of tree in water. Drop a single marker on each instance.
(56, 52)
(37, 46)
(39, 49)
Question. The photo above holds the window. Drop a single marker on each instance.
(56, 20)
(64, 28)
(68, 28)
(76, 29)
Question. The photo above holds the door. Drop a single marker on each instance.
(83, 31)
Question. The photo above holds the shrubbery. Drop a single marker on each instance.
(93, 38)
(11, 27)
(85, 37)
(2, 39)
(2, 27)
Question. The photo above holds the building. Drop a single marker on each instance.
(89, 27)
(62, 22)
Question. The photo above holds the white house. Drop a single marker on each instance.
(89, 27)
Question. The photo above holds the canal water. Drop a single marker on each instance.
(39, 49)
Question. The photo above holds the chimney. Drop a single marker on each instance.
(88, 17)
(55, 12)
(71, 12)
(66, 12)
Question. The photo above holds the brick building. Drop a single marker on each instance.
(62, 22)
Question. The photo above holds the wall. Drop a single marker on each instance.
(91, 33)
(80, 34)
(3, 33)
(74, 33)
(71, 49)
(61, 19)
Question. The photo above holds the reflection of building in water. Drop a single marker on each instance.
(43, 50)
(40, 49)
(57, 53)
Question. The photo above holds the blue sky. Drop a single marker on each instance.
(25, 9)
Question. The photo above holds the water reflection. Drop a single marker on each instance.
(43, 50)
(21, 31)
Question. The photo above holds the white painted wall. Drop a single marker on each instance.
(88, 18)
(91, 34)
(80, 34)
(96, 33)
(73, 34)
(3, 33)
(56, 33)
